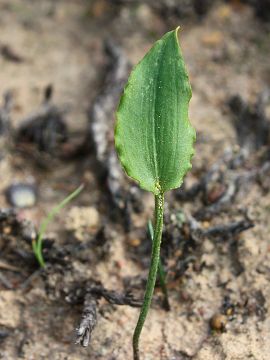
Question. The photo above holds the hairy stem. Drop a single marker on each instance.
(161, 272)
(151, 281)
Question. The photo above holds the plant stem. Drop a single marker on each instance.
(161, 272)
(151, 281)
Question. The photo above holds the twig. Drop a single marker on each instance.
(92, 293)
(227, 230)
(113, 297)
(6, 266)
(100, 134)
(88, 321)
(5, 282)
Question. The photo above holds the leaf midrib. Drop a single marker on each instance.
(155, 120)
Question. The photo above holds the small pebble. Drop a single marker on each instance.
(135, 242)
(21, 195)
(218, 322)
(229, 311)
(206, 224)
(7, 230)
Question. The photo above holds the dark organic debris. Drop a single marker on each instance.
(115, 298)
(222, 203)
(7, 214)
(256, 304)
(229, 232)
(13, 232)
(89, 314)
(9, 54)
(10, 225)
(55, 255)
(261, 8)
(181, 355)
(137, 282)
(16, 256)
(201, 7)
(77, 294)
(88, 321)
(4, 333)
(226, 231)
(212, 178)
(263, 176)
(23, 342)
(174, 8)
(45, 128)
(183, 236)
(251, 303)
(88, 294)
(179, 10)
(219, 187)
(22, 195)
(183, 240)
(228, 307)
(5, 282)
(5, 113)
(218, 190)
(250, 121)
(237, 266)
(101, 244)
(93, 250)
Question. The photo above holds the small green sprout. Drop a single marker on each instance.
(37, 244)
(154, 138)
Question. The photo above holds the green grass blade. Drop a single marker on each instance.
(37, 244)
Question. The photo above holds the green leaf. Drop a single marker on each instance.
(153, 136)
